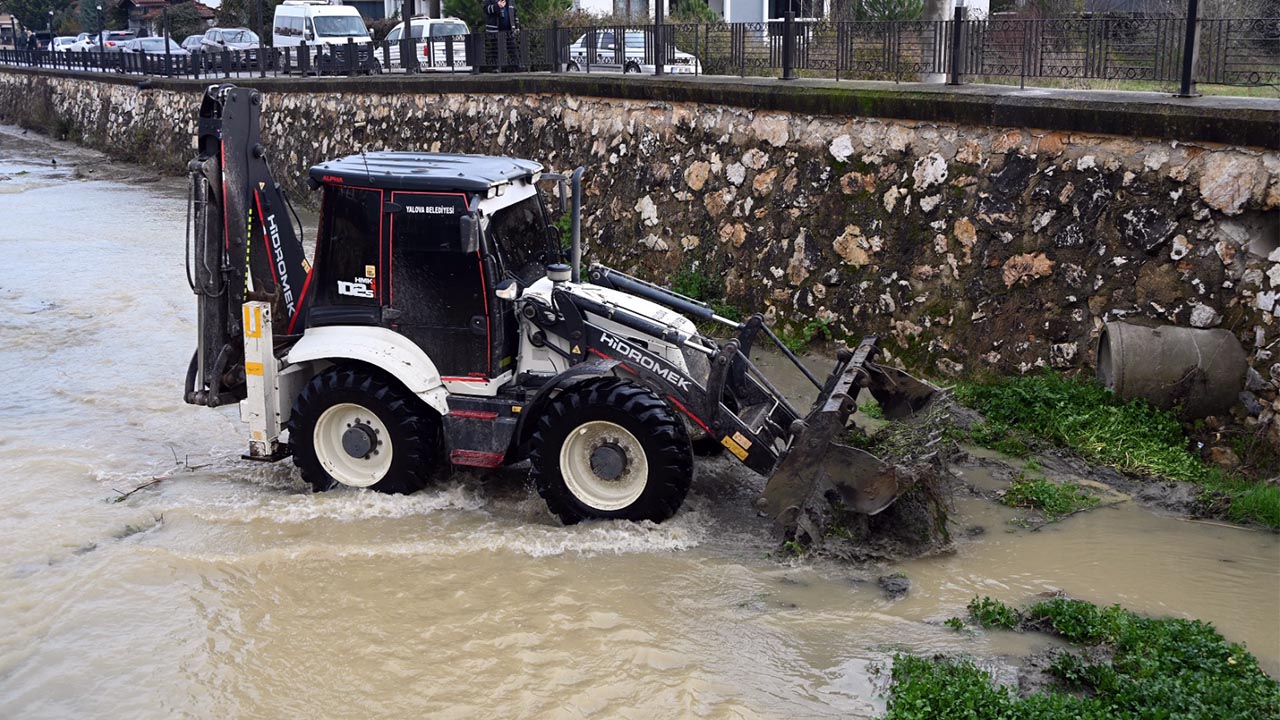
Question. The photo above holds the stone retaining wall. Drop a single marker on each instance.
(968, 248)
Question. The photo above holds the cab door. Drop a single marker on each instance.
(438, 295)
(347, 276)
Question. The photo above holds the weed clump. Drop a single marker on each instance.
(1053, 499)
(993, 614)
(1132, 436)
(1150, 668)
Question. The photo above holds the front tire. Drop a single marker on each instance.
(613, 450)
(350, 426)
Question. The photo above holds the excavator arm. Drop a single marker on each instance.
(241, 243)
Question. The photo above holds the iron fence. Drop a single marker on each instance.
(1225, 51)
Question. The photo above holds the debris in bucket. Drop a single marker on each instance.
(919, 448)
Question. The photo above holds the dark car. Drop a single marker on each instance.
(192, 43)
(153, 46)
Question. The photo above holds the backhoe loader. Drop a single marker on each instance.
(441, 321)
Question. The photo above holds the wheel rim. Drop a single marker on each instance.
(604, 465)
(353, 445)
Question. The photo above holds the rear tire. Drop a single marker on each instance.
(611, 449)
(572, 67)
(350, 426)
(631, 68)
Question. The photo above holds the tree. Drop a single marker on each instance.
(692, 11)
(185, 20)
(468, 11)
(881, 10)
(244, 13)
(34, 14)
(532, 13)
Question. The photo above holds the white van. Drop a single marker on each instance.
(316, 22)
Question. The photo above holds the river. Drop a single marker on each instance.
(227, 589)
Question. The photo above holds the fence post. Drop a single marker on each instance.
(659, 16)
(556, 65)
(789, 46)
(1190, 51)
(957, 49)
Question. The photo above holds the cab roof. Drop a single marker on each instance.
(389, 170)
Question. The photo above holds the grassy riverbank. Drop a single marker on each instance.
(1133, 437)
(1123, 666)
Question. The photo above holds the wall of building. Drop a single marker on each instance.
(967, 247)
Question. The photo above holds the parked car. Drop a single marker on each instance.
(84, 41)
(61, 43)
(153, 46)
(114, 40)
(430, 37)
(242, 39)
(192, 43)
(598, 50)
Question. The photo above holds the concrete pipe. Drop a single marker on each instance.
(1201, 371)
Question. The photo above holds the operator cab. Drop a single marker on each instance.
(417, 242)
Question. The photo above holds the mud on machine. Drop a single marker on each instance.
(442, 322)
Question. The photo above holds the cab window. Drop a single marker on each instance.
(349, 225)
(520, 237)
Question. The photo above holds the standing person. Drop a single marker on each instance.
(500, 17)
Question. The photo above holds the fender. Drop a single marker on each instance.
(592, 367)
(384, 349)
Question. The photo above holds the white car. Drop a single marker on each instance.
(61, 43)
(83, 41)
(430, 37)
(598, 50)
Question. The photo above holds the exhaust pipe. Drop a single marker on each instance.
(575, 251)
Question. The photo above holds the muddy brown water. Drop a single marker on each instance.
(227, 589)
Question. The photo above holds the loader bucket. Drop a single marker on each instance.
(818, 463)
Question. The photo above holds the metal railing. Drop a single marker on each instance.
(1140, 49)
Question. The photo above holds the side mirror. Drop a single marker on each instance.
(468, 234)
(508, 289)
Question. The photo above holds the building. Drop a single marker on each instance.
(146, 17)
(8, 26)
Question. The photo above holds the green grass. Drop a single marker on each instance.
(705, 288)
(1051, 498)
(993, 614)
(1130, 436)
(695, 284)
(1158, 668)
